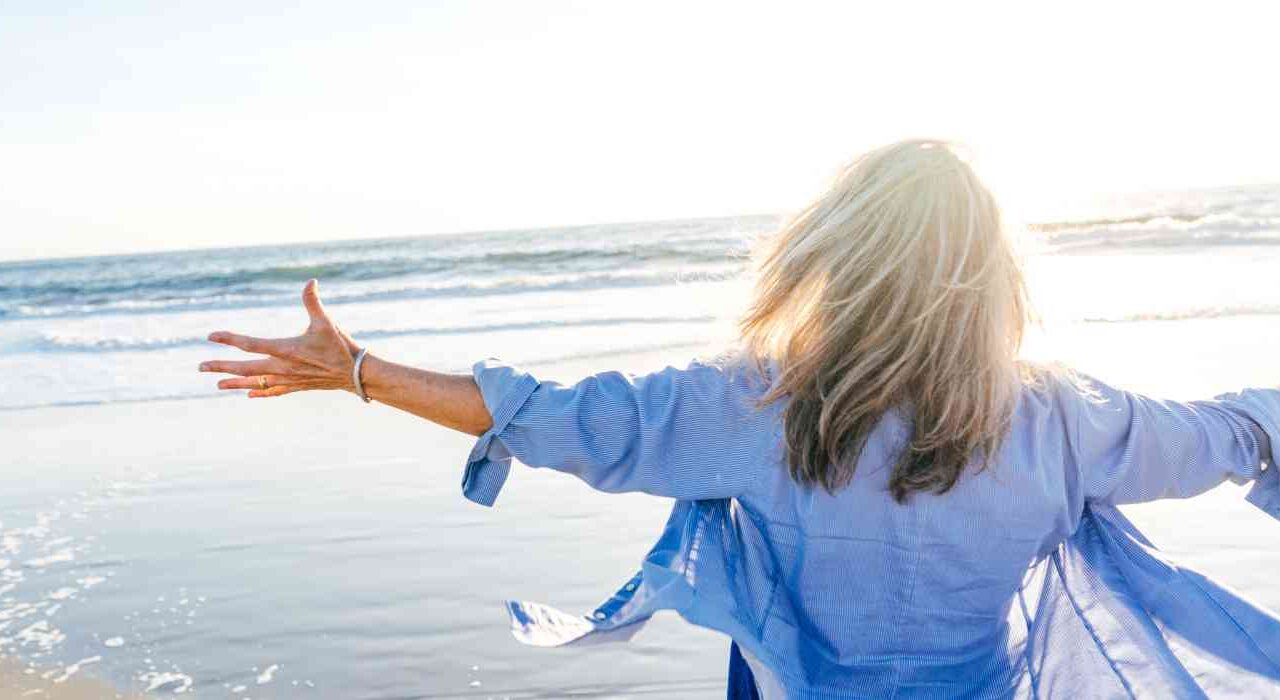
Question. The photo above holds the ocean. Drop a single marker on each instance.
(161, 537)
(128, 328)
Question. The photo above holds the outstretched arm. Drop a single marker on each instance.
(323, 357)
(691, 433)
(1130, 448)
(451, 400)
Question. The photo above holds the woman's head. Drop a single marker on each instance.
(897, 287)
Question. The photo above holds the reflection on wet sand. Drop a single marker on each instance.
(18, 680)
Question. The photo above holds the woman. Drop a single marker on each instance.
(876, 497)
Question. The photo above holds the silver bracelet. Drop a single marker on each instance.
(355, 375)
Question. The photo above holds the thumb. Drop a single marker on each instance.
(311, 300)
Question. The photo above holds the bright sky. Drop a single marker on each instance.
(142, 126)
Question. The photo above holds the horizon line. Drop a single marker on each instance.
(474, 232)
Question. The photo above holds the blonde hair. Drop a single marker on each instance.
(896, 288)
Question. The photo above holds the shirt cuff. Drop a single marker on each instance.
(505, 390)
(1265, 492)
(1262, 406)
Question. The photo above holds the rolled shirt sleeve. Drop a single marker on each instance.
(1130, 448)
(505, 391)
(1262, 407)
(687, 433)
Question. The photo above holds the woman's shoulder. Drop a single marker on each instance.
(1056, 382)
(1060, 396)
(745, 373)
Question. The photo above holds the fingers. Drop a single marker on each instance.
(245, 368)
(311, 300)
(256, 382)
(263, 346)
(274, 391)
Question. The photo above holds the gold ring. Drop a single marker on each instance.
(262, 382)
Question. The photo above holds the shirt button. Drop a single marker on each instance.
(599, 615)
(631, 586)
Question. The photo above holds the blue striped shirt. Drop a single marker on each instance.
(1022, 581)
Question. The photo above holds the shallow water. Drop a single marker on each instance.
(313, 546)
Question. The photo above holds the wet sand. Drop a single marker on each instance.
(314, 546)
(17, 682)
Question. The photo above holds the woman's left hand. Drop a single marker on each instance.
(321, 358)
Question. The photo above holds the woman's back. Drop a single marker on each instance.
(852, 593)
(877, 595)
